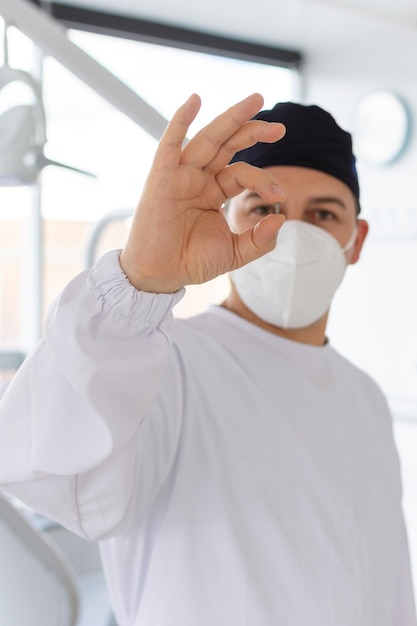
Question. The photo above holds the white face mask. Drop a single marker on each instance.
(292, 286)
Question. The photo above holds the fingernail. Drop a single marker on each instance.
(278, 191)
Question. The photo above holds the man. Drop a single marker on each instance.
(234, 467)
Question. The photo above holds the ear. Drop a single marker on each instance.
(363, 228)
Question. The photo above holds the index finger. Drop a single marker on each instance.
(170, 145)
(203, 148)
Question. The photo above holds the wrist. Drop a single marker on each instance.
(142, 282)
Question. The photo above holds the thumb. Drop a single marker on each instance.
(257, 241)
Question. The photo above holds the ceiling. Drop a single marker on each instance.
(310, 26)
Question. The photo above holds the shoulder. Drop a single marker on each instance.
(358, 381)
(208, 326)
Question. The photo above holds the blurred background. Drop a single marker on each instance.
(356, 58)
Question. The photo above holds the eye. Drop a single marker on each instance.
(263, 209)
(323, 215)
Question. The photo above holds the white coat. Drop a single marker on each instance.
(232, 477)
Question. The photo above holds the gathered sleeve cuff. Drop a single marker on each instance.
(83, 392)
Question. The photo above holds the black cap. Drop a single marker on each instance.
(313, 139)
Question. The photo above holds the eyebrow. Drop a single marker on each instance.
(328, 200)
(312, 200)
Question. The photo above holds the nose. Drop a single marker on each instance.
(290, 211)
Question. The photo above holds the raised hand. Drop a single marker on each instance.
(179, 235)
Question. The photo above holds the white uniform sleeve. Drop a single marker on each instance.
(70, 418)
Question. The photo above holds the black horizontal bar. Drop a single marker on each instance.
(130, 27)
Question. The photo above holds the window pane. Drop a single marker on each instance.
(16, 203)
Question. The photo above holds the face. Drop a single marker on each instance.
(311, 196)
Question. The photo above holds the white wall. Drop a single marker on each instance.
(374, 316)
